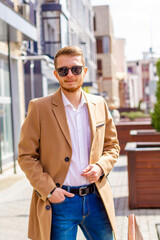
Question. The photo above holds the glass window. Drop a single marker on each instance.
(6, 137)
(6, 130)
(94, 22)
(6, 80)
(52, 34)
(99, 64)
(103, 44)
(99, 67)
(99, 45)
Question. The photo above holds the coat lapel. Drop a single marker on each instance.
(92, 115)
(59, 112)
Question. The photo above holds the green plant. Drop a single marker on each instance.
(132, 115)
(155, 116)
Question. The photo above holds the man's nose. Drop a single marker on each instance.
(70, 74)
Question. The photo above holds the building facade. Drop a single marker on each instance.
(142, 80)
(111, 64)
(121, 71)
(16, 25)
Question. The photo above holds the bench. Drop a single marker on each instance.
(133, 229)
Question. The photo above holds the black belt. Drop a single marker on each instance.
(81, 191)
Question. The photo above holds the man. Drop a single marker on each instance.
(68, 146)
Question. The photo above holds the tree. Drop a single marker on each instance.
(155, 116)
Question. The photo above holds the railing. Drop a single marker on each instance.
(133, 229)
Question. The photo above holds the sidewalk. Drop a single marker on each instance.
(15, 194)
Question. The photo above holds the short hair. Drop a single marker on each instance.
(71, 51)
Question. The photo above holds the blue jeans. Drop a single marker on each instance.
(86, 211)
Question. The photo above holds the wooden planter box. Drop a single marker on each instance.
(123, 131)
(143, 174)
(145, 135)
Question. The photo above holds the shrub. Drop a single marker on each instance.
(132, 115)
(155, 116)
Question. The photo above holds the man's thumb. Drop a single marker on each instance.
(68, 194)
(88, 168)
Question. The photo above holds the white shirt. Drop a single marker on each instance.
(79, 127)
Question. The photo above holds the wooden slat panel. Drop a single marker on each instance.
(143, 199)
(147, 165)
(149, 191)
(148, 178)
(151, 185)
(143, 157)
(148, 171)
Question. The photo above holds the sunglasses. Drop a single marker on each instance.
(63, 71)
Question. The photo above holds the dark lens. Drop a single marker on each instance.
(63, 71)
(76, 70)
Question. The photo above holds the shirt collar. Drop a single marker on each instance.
(66, 102)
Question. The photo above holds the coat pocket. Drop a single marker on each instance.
(100, 124)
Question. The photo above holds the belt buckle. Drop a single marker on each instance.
(80, 191)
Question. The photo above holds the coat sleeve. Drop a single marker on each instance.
(29, 155)
(111, 145)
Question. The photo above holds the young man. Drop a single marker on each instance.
(68, 146)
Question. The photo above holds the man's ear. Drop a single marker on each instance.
(85, 71)
(55, 73)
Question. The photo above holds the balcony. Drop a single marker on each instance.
(19, 28)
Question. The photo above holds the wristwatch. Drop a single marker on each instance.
(50, 194)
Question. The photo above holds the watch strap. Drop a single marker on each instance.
(50, 194)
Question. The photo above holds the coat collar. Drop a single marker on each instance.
(57, 98)
(59, 112)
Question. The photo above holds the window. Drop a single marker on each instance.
(103, 44)
(99, 45)
(145, 67)
(51, 34)
(99, 67)
(94, 23)
(130, 70)
(5, 112)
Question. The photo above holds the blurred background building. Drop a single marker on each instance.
(142, 80)
(111, 62)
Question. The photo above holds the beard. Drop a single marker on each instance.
(72, 89)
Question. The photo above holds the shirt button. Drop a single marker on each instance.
(48, 207)
(66, 159)
(58, 184)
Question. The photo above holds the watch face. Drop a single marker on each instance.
(49, 195)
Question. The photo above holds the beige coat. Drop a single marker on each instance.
(44, 145)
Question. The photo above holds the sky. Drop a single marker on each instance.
(137, 21)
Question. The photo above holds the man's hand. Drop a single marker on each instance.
(92, 172)
(59, 195)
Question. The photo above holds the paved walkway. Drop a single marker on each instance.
(15, 194)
